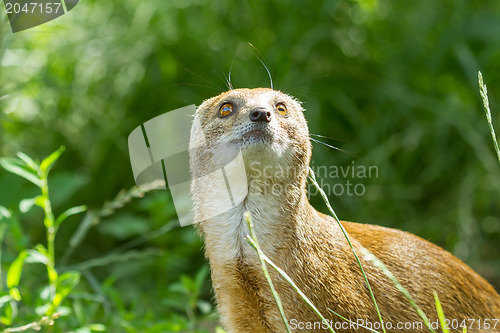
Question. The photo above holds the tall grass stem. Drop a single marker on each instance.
(252, 238)
(334, 215)
(484, 95)
(264, 258)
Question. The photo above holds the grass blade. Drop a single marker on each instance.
(378, 263)
(26, 204)
(334, 215)
(255, 243)
(51, 159)
(440, 312)
(67, 213)
(484, 95)
(29, 161)
(14, 166)
(287, 279)
(14, 275)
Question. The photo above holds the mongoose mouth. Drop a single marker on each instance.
(256, 136)
(256, 132)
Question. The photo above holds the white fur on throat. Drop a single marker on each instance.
(226, 232)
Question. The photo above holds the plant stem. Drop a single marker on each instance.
(49, 222)
(290, 282)
(378, 263)
(484, 95)
(327, 202)
(255, 243)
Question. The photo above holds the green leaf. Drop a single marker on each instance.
(14, 275)
(45, 294)
(26, 204)
(49, 161)
(188, 284)
(43, 309)
(69, 212)
(97, 328)
(204, 306)
(9, 314)
(5, 299)
(13, 165)
(177, 287)
(440, 312)
(35, 257)
(29, 161)
(68, 281)
(63, 311)
(201, 277)
(40, 248)
(5, 214)
(65, 284)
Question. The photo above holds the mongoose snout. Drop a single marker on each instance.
(260, 114)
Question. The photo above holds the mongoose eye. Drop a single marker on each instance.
(225, 110)
(281, 108)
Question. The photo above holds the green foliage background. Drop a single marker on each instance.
(395, 80)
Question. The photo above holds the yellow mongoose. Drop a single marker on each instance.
(269, 129)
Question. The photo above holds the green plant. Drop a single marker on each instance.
(189, 289)
(252, 239)
(59, 285)
(379, 264)
(484, 95)
(440, 312)
(344, 232)
(30, 298)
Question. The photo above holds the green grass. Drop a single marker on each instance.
(59, 285)
(70, 296)
(440, 313)
(484, 95)
(252, 239)
(344, 232)
(379, 264)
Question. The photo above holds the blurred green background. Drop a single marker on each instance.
(395, 81)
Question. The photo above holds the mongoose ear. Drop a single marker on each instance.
(25, 15)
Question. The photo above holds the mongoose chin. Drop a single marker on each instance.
(270, 130)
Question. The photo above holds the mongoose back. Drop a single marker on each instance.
(269, 129)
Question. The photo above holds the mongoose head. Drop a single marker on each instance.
(266, 125)
(268, 128)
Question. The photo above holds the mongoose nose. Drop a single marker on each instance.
(260, 114)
